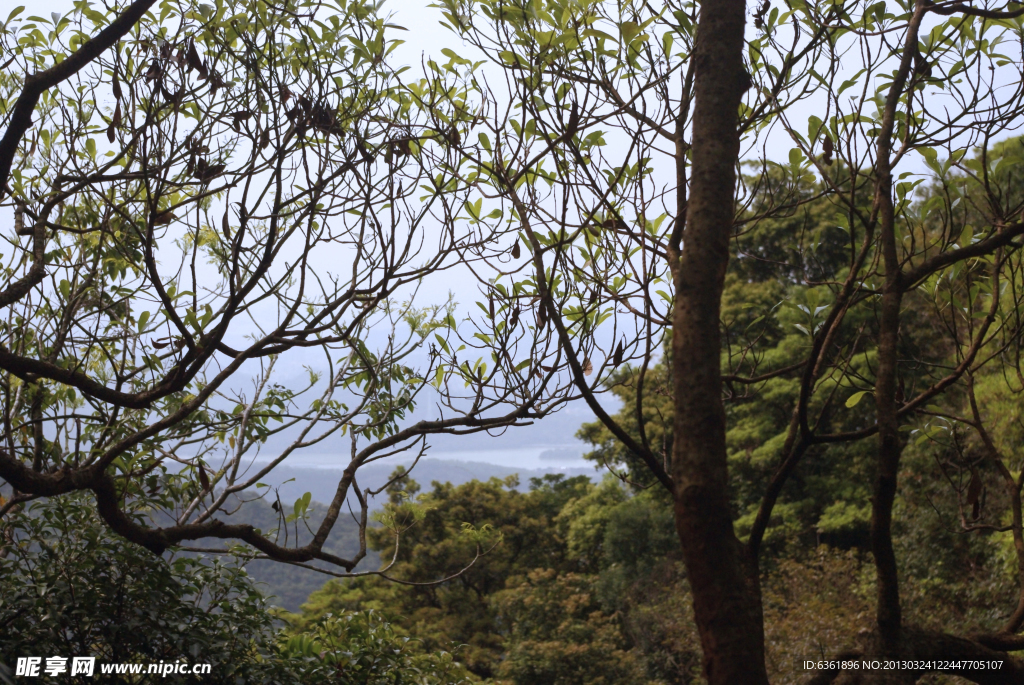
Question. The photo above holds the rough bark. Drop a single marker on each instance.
(727, 612)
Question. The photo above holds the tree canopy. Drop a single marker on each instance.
(814, 342)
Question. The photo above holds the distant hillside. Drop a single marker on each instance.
(291, 585)
(323, 483)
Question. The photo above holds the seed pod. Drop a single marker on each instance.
(761, 12)
(574, 121)
(193, 60)
(204, 480)
(238, 117)
(827, 150)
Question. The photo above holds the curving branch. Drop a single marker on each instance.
(37, 84)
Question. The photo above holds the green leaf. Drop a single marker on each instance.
(813, 126)
(630, 30)
(796, 158)
(301, 504)
(855, 398)
(594, 33)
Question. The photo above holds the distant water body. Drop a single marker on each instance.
(548, 458)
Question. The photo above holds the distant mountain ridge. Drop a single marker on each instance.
(293, 482)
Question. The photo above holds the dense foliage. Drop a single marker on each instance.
(582, 564)
(69, 588)
(585, 585)
(545, 604)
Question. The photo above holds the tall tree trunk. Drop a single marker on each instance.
(726, 605)
(887, 602)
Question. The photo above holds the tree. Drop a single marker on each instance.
(583, 585)
(614, 148)
(560, 635)
(363, 649)
(203, 193)
(442, 531)
(69, 587)
(598, 205)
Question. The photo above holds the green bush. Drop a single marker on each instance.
(361, 648)
(68, 588)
